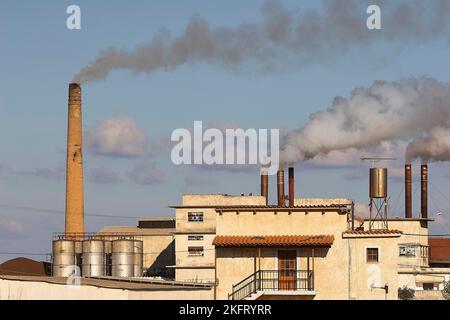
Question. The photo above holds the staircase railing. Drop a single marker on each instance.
(273, 280)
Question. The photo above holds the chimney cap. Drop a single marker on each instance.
(74, 85)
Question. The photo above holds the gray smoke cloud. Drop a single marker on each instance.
(283, 40)
(435, 146)
(417, 109)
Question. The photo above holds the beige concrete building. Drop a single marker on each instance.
(195, 231)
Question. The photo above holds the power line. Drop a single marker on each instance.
(54, 211)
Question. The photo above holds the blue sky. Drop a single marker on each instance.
(39, 57)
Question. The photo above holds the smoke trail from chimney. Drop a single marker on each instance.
(283, 40)
(385, 111)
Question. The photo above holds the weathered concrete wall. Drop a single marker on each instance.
(202, 275)
(34, 290)
(159, 252)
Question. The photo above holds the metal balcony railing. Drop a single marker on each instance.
(273, 280)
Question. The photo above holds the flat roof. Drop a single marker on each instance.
(117, 283)
(265, 208)
(132, 230)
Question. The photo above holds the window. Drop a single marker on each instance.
(407, 251)
(195, 237)
(195, 216)
(372, 255)
(428, 286)
(196, 251)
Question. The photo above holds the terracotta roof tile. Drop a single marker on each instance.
(369, 232)
(274, 241)
(439, 249)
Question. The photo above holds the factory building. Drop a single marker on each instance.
(242, 247)
(299, 247)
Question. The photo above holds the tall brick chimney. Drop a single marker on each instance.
(74, 168)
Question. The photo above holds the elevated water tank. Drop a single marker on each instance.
(64, 261)
(93, 258)
(123, 257)
(378, 183)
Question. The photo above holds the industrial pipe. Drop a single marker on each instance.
(291, 187)
(280, 187)
(424, 191)
(408, 195)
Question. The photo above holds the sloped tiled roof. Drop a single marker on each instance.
(274, 241)
(370, 232)
(439, 249)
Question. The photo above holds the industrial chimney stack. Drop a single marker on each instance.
(408, 194)
(74, 168)
(280, 187)
(424, 191)
(265, 185)
(291, 187)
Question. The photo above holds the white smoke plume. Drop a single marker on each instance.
(386, 111)
(435, 146)
(285, 39)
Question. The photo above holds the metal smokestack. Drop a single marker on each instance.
(280, 186)
(424, 191)
(408, 194)
(291, 187)
(265, 185)
(74, 167)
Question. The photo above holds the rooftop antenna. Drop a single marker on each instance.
(378, 193)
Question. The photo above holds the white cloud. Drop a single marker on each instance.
(119, 137)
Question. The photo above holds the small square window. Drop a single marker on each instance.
(196, 251)
(195, 237)
(372, 255)
(195, 216)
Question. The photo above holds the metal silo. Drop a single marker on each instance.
(138, 257)
(108, 257)
(63, 258)
(123, 258)
(93, 258)
(378, 183)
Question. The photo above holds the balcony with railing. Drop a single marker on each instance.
(273, 282)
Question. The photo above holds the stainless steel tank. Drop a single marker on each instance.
(122, 258)
(64, 260)
(93, 258)
(378, 184)
(108, 257)
(138, 257)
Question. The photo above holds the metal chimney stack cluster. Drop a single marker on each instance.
(423, 191)
(74, 166)
(281, 196)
